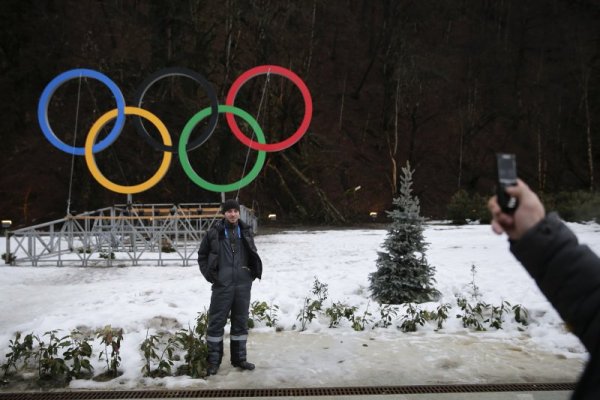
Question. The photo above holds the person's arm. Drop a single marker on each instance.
(203, 254)
(566, 272)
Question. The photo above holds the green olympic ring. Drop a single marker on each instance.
(185, 162)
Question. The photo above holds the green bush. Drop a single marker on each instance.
(464, 208)
(59, 359)
(8, 258)
(414, 316)
(20, 351)
(261, 311)
(111, 339)
(312, 307)
(192, 342)
(338, 311)
(159, 354)
(579, 206)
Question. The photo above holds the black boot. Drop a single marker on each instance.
(215, 355)
(238, 355)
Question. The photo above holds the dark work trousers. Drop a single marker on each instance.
(231, 293)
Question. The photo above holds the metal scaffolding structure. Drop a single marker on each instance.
(121, 235)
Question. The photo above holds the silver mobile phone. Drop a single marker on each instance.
(507, 176)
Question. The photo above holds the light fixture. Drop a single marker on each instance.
(6, 223)
(272, 217)
(373, 215)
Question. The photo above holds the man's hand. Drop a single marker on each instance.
(529, 212)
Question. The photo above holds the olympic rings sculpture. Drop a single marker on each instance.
(138, 113)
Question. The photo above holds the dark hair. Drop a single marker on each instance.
(229, 204)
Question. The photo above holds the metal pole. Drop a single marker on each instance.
(6, 223)
(8, 259)
(8, 253)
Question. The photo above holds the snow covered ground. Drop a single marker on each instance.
(138, 299)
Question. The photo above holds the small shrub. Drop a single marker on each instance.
(321, 291)
(167, 247)
(478, 314)
(107, 256)
(579, 206)
(151, 347)
(20, 351)
(308, 312)
(464, 208)
(440, 315)
(311, 306)
(261, 311)
(387, 315)
(472, 316)
(9, 258)
(192, 342)
(50, 365)
(473, 288)
(78, 353)
(413, 317)
(337, 312)
(111, 339)
(359, 322)
(497, 317)
(521, 314)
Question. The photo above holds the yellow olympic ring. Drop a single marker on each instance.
(91, 161)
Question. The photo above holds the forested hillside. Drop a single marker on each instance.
(441, 84)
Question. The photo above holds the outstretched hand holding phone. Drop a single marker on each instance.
(568, 273)
(529, 212)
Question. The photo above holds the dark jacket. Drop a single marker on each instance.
(208, 255)
(569, 276)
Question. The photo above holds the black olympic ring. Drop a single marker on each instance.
(188, 73)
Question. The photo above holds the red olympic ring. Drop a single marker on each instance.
(261, 70)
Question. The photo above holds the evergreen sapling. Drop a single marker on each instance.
(403, 274)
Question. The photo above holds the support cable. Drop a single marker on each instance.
(260, 104)
(74, 142)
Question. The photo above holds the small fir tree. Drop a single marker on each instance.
(403, 274)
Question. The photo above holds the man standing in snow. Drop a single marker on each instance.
(566, 272)
(228, 259)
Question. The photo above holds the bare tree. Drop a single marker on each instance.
(393, 142)
(585, 89)
(471, 121)
(311, 44)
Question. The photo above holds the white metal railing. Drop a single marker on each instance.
(130, 234)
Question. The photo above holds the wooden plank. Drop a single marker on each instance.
(210, 210)
(145, 217)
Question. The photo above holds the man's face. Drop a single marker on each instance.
(232, 215)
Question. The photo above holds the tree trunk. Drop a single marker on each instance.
(588, 128)
(312, 37)
(394, 145)
(342, 102)
(328, 208)
(297, 204)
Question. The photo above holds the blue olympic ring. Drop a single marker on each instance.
(45, 101)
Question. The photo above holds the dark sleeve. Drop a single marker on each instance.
(568, 274)
(203, 258)
(254, 260)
